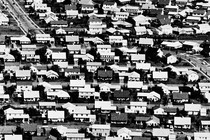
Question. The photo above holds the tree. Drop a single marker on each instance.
(17, 55)
(41, 52)
(18, 130)
(55, 68)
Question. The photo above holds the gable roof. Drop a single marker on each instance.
(160, 74)
(70, 38)
(182, 120)
(28, 127)
(55, 114)
(141, 57)
(160, 132)
(121, 94)
(13, 137)
(119, 117)
(105, 73)
(7, 129)
(23, 73)
(180, 96)
(192, 107)
(30, 94)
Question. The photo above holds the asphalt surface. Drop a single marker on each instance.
(21, 17)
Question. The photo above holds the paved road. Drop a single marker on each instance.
(19, 14)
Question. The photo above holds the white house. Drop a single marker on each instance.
(161, 133)
(109, 6)
(100, 129)
(86, 92)
(204, 86)
(93, 66)
(140, 30)
(153, 96)
(120, 16)
(166, 29)
(141, 20)
(55, 116)
(192, 109)
(136, 107)
(160, 75)
(31, 95)
(138, 58)
(192, 76)
(159, 111)
(115, 39)
(4, 20)
(59, 57)
(135, 84)
(182, 122)
(13, 137)
(103, 48)
(201, 136)
(16, 114)
(76, 84)
(105, 106)
(83, 114)
(171, 59)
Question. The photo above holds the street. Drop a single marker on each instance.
(21, 17)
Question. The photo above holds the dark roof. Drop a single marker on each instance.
(94, 19)
(59, 22)
(72, 70)
(28, 127)
(170, 110)
(199, 12)
(7, 129)
(105, 73)
(163, 2)
(109, 2)
(179, 96)
(24, 82)
(185, 89)
(74, 29)
(155, 11)
(165, 21)
(39, 137)
(121, 94)
(142, 118)
(119, 117)
(141, 138)
(41, 67)
(87, 5)
(70, 7)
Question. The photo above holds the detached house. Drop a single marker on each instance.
(180, 97)
(201, 136)
(72, 39)
(87, 6)
(82, 114)
(204, 86)
(31, 96)
(119, 118)
(118, 40)
(146, 42)
(182, 122)
(192, 109)
(103, 48)
(93, 66)
(109, 6)
(16, 114)
(140, 30)
(86, 92)
(138, 58)
(105, 106)
(76, 84)
(59, 24)
(71, 11)
(136, 107)
(100, 129)
(55, 116)
(120, 95)
(23, 74)
(199, 13)
(160, 75)
(59, 57)
(95, 25)
(105, 75)
(44, 38)
(4, 20)
(161, 133)
(74, 49)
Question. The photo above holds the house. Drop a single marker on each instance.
(59, 24)
(29, 128)
(153, 121)
(133, 76)
(71, 39)
(201, 136)
(159, 111)
(28, 47)
(146, 42)
(164, 20)
(140, 30)
(166, 29)
(118, 40)
(74, 49)
(95, 25)
(199, 13)
(205, 124)
(136, 107)
(82, 114)
(141, 2)
(23, 74)
(189, 45)
(4, 20)
(119, 118)
(141, 120)
(171, 44)
(44, 38)
(31, 96)
(105, 106)
(152, 96)
(192, 20)
(93, 66)
(141, 20)
(100, 129)
(50, 16)
(59, 57)
(30, 56)
(143, 66)
(73, 73)
(87, 6)
(4, 98)
(7, 130)
(124, 133)
(86, 92)
(105, 75)
(192, 76)
(108, 56)
(162, 3)
(121, 95)
(47, 105)
(13, 137)
(131, 9)
(76, 84)
(71, 11)
(161, 133)
(59, 94)
(23, 86)
(135, 85)
(204, 86)
(55, 116)
(170, 110)
(171, 59)
(120, 16)
(138, 58)
(20, 39)
(180, 97)
(192, 109)
(16, 114)
(103, 48)
(160, 75)
(109, 6)
(182, 122)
